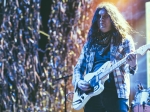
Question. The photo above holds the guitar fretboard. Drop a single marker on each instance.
(141, 50)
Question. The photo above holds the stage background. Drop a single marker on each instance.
(40, 42)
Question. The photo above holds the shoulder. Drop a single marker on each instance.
(128, 39)
(85, 46)
(129, 43)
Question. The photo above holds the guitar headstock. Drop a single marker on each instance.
(143, 49)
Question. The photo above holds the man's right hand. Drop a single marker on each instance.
(83, 85)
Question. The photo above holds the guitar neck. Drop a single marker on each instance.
(141, 50)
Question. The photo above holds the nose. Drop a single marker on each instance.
(102, 17)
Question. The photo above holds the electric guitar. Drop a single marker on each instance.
(97, 79)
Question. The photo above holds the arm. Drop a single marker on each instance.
(80, 67)
(131, 56)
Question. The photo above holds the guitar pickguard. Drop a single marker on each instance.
(81, 99)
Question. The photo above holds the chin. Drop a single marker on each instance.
(104, 30)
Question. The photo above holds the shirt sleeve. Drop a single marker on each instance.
(80, 67)
(130, 47)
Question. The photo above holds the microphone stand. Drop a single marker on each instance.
(65, 79)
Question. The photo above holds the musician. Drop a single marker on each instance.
(109, 39)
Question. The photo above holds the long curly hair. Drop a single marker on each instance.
(120, 26)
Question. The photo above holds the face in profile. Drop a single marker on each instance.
(104, 21)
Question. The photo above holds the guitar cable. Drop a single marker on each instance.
(69, 100)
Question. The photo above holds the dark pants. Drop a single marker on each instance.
(107, 101)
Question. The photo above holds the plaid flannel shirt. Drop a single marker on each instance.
(121, 74)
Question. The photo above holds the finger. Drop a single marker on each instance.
(133, 57)
(128, 58)
(86, 88)
(82, 86)
(85, 83)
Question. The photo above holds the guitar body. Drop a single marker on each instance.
(79, 100)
